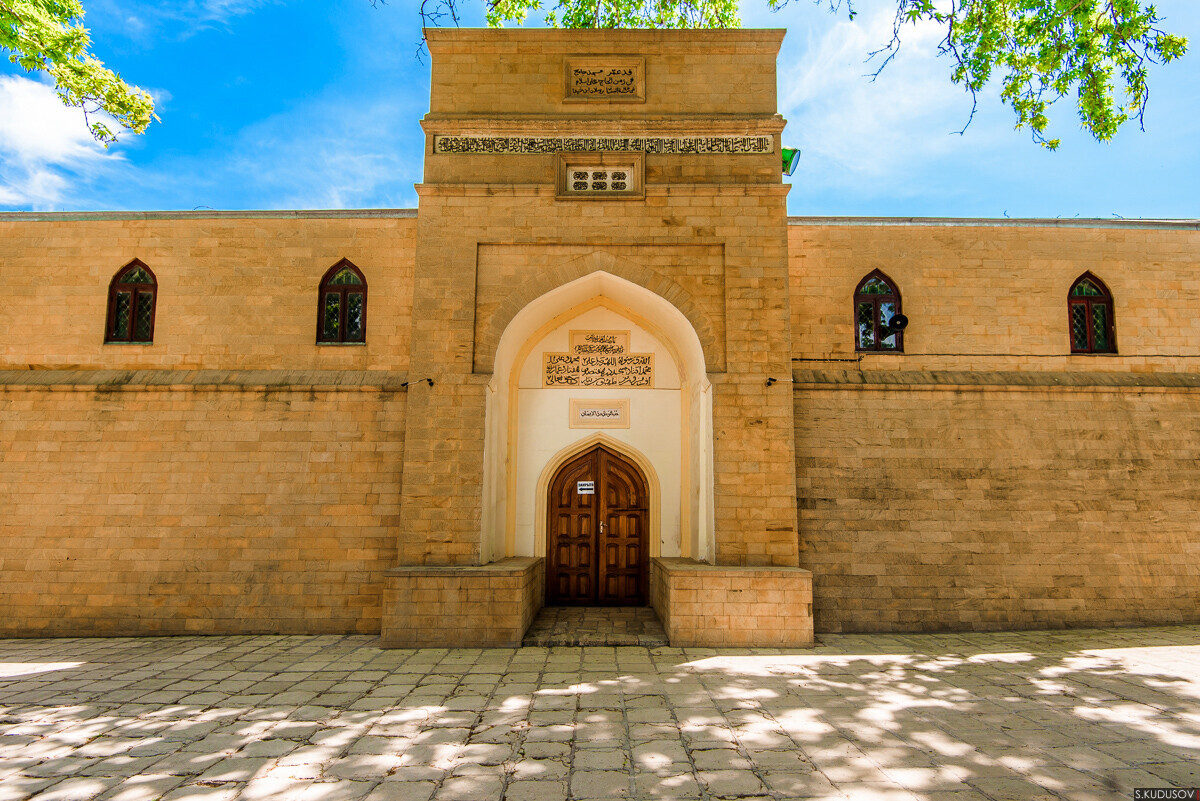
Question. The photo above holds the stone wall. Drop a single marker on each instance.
(987, 478)
(992, 504)
(233, 476)
(236, 290)
(147, 503)
(485, 606)
(709, 235)
(981, 295)
(703, 605)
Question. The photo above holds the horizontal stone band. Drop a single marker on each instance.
(672, 145)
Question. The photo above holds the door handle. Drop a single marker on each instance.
(601, 526)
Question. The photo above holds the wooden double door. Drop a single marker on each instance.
(598, 532)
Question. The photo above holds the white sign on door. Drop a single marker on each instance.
(585, 487)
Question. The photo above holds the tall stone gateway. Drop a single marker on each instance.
(600, 306)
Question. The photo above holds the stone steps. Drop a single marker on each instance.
(596, 625)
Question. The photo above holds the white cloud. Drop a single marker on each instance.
(338, 154)
(42, 143)
(854, 129)
(183, 19)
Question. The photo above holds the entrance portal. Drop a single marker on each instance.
(597, 551)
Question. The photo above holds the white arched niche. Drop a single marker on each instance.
(528, 431)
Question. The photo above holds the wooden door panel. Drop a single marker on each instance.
(570, 568)
(597, 549)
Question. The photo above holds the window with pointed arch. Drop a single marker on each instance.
(876, 302)
(132, 296)
(1090, 315)
(342, 310)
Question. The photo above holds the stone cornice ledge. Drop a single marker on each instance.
(602, 41)
(596, 125)
(1006, 380)
(261, 380)
(652, 190)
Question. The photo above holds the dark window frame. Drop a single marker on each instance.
(136, 292)
(1088, 303)
(343, 291)
(877, 329)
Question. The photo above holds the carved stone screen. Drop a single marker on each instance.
(598, 359)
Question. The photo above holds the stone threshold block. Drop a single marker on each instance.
(471, 606)
(706, 605)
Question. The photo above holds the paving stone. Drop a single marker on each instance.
(470, 788)
(658, 753)
(267, 748)
(799, 784)
(726, 783)
(875, 791)
(535, 790)
(681, 785)
(416, 773)
(600, 784)
(719, 759)
(338, 790)
(1011, 789)
(940, 717)
(147, 787)
(79, 788)
(363, 766)
(544, 750)
(539, 769)
(186, 764)
(601, 759)
(192, 792)
(402, 791)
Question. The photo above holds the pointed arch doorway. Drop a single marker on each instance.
(597, 549)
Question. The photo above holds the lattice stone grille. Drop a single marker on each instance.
(587, 179)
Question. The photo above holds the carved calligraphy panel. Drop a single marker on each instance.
(599, 413)
(609, 79)
(598, 359)
(664, 145)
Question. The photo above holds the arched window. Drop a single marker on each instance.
(342, 309)
(1090, 306)
(131, 300)
(876, 302)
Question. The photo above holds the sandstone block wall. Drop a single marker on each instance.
(986, 478)
(989, 507)
(169, 508)
(986, 296)
(709, 234)
(236, 290)
(488, 606)
(232, 476)
(712, 606)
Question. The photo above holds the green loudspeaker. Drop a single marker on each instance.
(790, 157)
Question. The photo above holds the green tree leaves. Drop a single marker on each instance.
(1045, 50)
(49, 35)
(1040, 50)
(620, 13)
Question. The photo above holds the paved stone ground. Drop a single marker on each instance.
(1076, 715)
(591, 625)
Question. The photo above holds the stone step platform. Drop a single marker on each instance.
(596, 625)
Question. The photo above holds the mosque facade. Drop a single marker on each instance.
(598, 365)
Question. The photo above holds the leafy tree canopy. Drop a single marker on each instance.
(49, 35)
(1040, 50)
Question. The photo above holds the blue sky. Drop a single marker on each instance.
(315, 104)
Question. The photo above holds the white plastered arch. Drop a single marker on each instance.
(504, 496)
